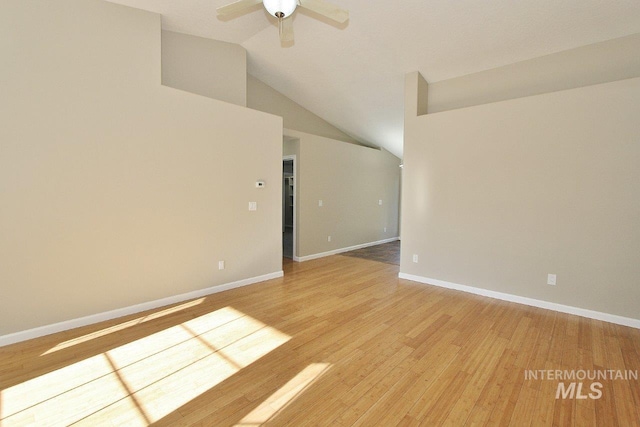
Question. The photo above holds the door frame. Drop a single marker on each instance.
(295, 201)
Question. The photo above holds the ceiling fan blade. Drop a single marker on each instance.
(326, 9)
(237, 6)
(286, 30)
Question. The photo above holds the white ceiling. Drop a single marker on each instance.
(353, 75)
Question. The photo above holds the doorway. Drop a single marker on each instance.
(288, 207)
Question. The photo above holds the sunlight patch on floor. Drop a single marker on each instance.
(142, 381)
(285, 395)
(123, 325)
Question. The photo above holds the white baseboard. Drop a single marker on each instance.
(590, 314)
(341, 250)
(120, 312)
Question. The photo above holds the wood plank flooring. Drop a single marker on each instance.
(386, 252)
(339, 341)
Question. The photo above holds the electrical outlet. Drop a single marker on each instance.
(220, 265)
(551, 279)
(328, 238)
(380, 202)
(415, 258)
(253, 206)
(320, 203)
(385, 229)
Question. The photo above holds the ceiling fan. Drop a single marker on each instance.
(283, 9)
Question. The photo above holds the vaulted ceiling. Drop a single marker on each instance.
(352, 75)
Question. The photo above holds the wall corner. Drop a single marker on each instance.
(416, 91)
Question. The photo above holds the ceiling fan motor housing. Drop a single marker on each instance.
(280, 8)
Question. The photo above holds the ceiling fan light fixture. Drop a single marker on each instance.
(280, 8)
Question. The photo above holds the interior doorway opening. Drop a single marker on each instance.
(288, 207)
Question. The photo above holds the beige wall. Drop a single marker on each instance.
(116, 190)
(499, 195)
(597, 63)
(206, 67)
(290, 146)
(263, 97)
(349, 179)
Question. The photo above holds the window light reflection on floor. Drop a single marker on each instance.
(285, 395)
(142, 381)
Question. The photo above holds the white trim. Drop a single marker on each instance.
(119, 312)
(339, 251)
(590, 314)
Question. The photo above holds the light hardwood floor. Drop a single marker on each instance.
(337, 341)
